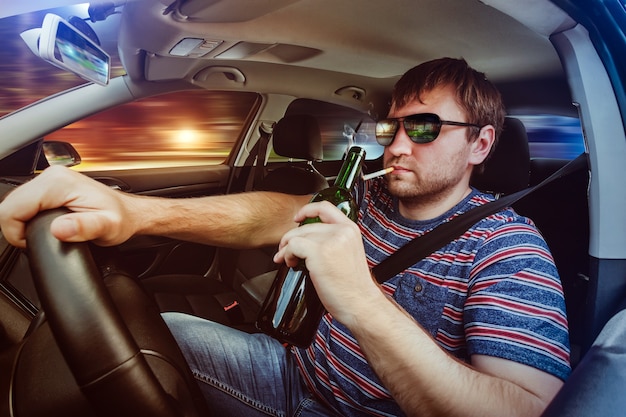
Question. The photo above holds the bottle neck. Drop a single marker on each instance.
(351, 168)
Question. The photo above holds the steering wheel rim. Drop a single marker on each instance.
(111, 369)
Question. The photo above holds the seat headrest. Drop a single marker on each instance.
(298, 136)
(508, 168)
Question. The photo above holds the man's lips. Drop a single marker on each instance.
(400, 170)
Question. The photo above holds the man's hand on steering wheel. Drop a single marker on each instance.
(97, 211)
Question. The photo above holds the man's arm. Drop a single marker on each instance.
(427, 381)
(110, 217)
(423, 378)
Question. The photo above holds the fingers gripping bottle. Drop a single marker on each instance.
(292, 310)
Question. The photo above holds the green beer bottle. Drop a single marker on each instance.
(292, 310)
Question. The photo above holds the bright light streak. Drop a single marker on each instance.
(187, 137)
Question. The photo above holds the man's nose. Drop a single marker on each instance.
(401, 144)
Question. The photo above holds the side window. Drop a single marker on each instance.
(177, 129)
(340, 127)
(552, 136)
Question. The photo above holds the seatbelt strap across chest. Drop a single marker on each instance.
(424, 245)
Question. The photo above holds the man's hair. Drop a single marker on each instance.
(476, 95)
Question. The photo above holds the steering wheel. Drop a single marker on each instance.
(111, 335)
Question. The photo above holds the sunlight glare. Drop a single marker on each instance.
(187, 137)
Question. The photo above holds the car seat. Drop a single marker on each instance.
(296, 137)
(507, 169)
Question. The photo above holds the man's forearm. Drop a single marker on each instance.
(237, 220)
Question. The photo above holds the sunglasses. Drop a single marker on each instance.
(421, 128)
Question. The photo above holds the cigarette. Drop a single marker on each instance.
(377, 173)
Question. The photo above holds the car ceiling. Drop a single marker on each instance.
(370, 38)
(348, 50)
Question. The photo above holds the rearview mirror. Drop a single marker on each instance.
(66, 47)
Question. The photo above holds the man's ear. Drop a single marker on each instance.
(481, 146)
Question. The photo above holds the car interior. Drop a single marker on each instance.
(545, 57)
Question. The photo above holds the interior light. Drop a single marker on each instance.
(194, 47)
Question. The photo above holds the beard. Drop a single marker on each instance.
(425, 186)
(416, 192)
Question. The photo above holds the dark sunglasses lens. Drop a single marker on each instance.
(422, 128)
(386, 131)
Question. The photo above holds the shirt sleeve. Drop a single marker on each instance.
(515, 307)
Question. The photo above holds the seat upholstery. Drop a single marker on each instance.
(507, 169)
(295, 137)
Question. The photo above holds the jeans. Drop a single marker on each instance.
(242, 374)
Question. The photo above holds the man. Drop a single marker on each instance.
(476, 329)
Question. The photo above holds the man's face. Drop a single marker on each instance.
(432, 170)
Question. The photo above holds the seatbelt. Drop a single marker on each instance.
(424, 245)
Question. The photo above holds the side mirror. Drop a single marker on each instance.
(60, 153)
(38, 156)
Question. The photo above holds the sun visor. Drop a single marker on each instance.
(162, 68)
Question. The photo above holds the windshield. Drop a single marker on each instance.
(26, 78)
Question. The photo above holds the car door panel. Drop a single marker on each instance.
(167, 182)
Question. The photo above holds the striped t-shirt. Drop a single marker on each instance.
(494, 291)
